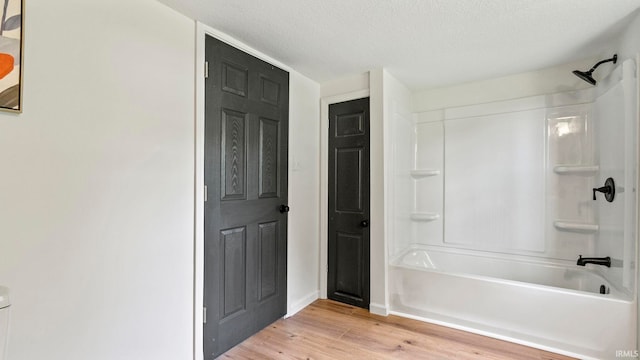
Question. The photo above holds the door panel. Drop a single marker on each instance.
(348, 165)
(234, 259)
(268, 250)
(269, 135)
(235, 79)
(349, 265)
(348, 275)
(246, 134)
(349, 124)
(233, 157)
(270, 91)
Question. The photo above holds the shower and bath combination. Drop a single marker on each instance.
(554, 152)
(588, 75)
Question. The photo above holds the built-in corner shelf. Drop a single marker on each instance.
(576, 227)
(423, 173)
(425, 217)
(576, 169)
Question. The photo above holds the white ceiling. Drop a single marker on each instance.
(424, 43)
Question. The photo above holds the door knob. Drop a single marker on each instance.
(283, 208)
(364, 223)
(609, 190)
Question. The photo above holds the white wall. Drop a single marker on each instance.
(539, 82)
(96, 222)
(345, 85)
(304, 193)
(379, 303)
(628, 45)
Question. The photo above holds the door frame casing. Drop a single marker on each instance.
(324, 178)
(202, 31)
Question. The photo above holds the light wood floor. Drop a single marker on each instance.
(331, 330)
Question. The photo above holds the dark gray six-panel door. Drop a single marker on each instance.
(348, 243)
(246, 135)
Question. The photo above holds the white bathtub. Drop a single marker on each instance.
(548, 306)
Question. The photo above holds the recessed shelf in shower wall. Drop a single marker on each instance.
(576, 227)
(423, 173)
(576, 169)
(425, 216)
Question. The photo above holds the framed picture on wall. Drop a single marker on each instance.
(11, 49)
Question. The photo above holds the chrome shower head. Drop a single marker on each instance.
(588, 75)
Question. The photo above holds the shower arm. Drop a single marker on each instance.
(614, 59)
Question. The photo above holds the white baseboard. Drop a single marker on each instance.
(378, 309)
(302, 303)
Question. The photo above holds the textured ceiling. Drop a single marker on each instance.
(424, 43)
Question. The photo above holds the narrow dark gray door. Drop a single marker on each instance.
(246, 135)
(348, 255)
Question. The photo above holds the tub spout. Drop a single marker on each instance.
(605, 261)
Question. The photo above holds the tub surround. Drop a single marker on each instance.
(517, 176)
(498, 198)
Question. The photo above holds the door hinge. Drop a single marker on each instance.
(206, 69)
(204, 315)
(206, 193)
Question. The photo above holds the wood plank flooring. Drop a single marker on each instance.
(330, 330)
